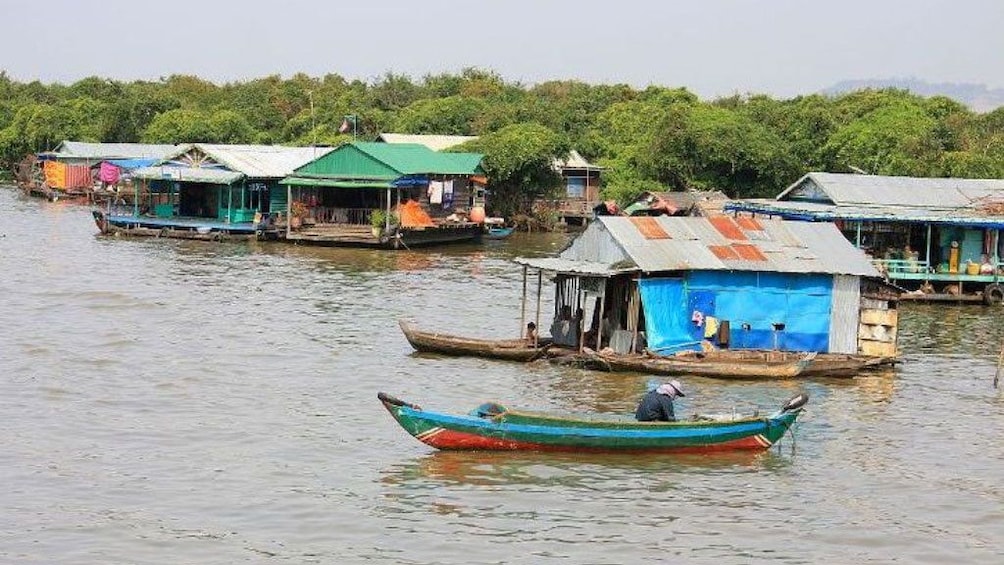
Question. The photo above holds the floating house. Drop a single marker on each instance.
(209, 191)
(72, 168)
(671, 284)
(937, 237)
(581, 182)
(373, 194)
(479, 192)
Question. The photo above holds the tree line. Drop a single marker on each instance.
(655, 138)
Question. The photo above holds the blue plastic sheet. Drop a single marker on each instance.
(787, 311)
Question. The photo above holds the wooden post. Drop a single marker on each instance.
(580, 320)
(928, 256)
(1000, 362)
(599, 326)
(635, 305)
(289, 209)
(540, 282)
(522, 313)
(386, 222)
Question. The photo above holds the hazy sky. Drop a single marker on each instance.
(713, 47)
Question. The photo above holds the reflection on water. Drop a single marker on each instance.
(574, 470)
(216, 403)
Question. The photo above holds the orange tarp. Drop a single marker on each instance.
(412, 215)
(61, 175)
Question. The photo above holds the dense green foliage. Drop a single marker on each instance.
(655, 138)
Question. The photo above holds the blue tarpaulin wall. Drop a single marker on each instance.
(752, 302)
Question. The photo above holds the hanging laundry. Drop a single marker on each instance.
(435, 192)
(109, 173)
(55, 174)
(448, 194)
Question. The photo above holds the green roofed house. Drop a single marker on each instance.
(368, 194)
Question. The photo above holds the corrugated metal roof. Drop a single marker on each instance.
(256, 161)
(567, 266)
(575, 160)
(796, 247)
(434, 142)
(913, 194)
(827, 212)
(103, 151)
(188, 174)
(389, 161)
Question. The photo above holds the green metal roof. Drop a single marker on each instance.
(336, 183)
(387, 161)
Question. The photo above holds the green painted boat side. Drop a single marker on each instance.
(516, 430)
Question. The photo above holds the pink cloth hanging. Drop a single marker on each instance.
(109, 173)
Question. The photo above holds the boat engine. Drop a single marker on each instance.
(796, 402)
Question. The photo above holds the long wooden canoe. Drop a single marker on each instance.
(493, 427)
(747, 366)
(509, 349)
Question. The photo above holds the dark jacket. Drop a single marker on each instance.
(655, 407)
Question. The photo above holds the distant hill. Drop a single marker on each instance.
(977, 96)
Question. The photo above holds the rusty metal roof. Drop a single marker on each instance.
(718, 244)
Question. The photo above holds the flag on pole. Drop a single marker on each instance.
(345, 127)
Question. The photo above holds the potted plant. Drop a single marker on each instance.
(378, 220)
(297, 211)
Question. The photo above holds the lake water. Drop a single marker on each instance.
(183, 402)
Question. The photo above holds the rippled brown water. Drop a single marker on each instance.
(181, 402)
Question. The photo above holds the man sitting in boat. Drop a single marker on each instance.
(657, 404)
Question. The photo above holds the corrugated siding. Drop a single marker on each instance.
(277, 198)
(364, 160)
(844, 314)
(349, 161)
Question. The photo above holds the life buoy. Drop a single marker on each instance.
(993, 294)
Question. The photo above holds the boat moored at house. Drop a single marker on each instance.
(685, 286)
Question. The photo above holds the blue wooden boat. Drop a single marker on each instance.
(498, 232)
(493, 427)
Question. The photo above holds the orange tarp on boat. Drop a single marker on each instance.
(61, 175)
(412, 215)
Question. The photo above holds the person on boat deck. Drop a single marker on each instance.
(657, 404)
(531, 334)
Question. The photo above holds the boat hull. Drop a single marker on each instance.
(526, 431)
(430, 342)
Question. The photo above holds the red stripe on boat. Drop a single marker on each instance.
(454, 440)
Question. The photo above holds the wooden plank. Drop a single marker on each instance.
(876, 348)
(883, 317)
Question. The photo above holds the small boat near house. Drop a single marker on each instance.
(446, 344)
(494, 427)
